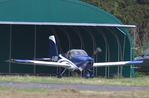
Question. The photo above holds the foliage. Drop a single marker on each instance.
(129, 12)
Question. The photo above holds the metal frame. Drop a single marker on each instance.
(67, 24)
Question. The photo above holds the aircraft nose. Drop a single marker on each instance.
(90, 64)
(87, 65)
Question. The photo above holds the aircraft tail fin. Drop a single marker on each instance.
(53, 51)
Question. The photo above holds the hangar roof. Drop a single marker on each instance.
(53, 11)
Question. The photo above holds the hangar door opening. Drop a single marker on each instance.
(31, 41)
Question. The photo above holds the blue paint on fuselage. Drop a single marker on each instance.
(85, 62)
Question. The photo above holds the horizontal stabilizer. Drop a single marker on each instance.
(120, 63)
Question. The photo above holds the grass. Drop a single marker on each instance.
(138, 81)
(6, 92)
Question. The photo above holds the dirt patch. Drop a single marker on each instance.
(72, 93)
(70, 90)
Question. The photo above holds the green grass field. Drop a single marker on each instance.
(138, 81)
(72, 93)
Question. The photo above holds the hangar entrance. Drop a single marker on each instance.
(110, 40)
(31, 41)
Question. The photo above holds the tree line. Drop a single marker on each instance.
(130, 12)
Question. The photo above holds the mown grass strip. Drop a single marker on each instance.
(138, 81)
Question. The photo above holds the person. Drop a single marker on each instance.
(97, 51)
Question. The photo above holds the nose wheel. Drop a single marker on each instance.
(88, 74)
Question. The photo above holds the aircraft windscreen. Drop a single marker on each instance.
(76, 52)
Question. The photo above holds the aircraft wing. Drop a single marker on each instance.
(120, 63)
(36, 62)
(43, 59)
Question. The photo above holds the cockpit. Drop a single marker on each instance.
(76, 52)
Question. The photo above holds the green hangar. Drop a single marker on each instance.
(25, 26)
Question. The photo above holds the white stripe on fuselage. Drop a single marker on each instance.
(66, 61)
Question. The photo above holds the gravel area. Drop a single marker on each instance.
(71, 86)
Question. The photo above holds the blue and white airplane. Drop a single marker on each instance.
(73, 60)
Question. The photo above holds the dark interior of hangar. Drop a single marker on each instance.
(30, 41)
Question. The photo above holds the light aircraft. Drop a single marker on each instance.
(143, 67)
(73, 60)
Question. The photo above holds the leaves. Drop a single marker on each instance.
(129, 12)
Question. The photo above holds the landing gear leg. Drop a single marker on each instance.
(61, 74)
(91, 73)
(76, 73)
